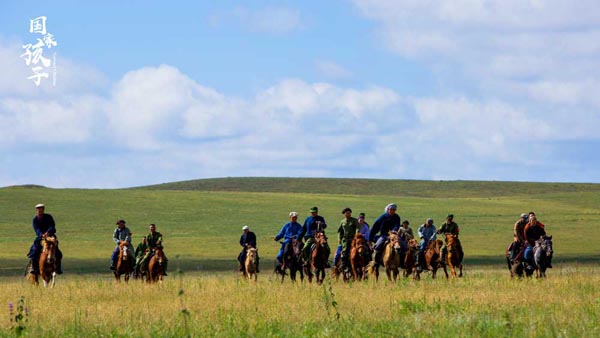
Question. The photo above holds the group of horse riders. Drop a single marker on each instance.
(377, 236)
(44, 226)
(143, 252)
(526, 232)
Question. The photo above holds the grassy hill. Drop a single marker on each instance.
(349, 186)
(202, 227)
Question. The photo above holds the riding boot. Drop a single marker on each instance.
(378, 255)
(113, 265)
(241, 266)
(35, 267)
(418, 262)
(402, 258)
(31, 266)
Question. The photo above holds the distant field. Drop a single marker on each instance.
(202, 229)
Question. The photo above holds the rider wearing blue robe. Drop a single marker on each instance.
(388, 221)
(290, 230)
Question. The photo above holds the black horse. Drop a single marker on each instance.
(542, 255)
(292, 260)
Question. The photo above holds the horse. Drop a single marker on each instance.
(514, 259)
(452, 259)
(156, 269)
(358, 250)
(318, 259)
(125, 262)
(433, 259)
(47, 262)
(292, 260)
(251, 263)
(410, 260)
(542, 255)
(391, 256)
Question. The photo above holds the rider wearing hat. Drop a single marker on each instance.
(450, 227)
(247, 240)
(388, 221)
(43, 225)
(121, 233)
(312, 224)
(348, 228)
(289, 231)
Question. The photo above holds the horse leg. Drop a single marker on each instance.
(445, 271)
(460, 267)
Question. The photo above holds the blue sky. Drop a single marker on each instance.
(152, 92)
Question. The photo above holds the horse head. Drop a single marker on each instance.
(49, 247)
(252, 254)
(394, 241)
(159, 254)
(124, 249)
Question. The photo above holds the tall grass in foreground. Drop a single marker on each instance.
(484, 304)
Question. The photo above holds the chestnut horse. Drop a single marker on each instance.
(410, 260)
(452, 259)
(48, 260)
(318, 259)
(125, 262)
(251, 263)
(433, 256)
(156, 269)
(358, 249)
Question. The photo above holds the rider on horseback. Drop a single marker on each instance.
(427, 233)
(153, 240)
(348, 228)
(247, 240)
(519, 239)
(312, 224)
(121, 233)
(289, 231)
(389, 220)
(450, 227)
(533, 231)
(43, 225)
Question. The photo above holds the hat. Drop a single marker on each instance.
(391, 206)
(120, 221)
(40, 206)
(314, 209)
(523, 215)
(430, 221)
(361, 215)
(450, 216)
(293, 214)
(245, 227)
(346, 209)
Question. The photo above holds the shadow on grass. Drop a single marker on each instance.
(72, 266)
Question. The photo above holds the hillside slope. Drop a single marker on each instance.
(348, 186)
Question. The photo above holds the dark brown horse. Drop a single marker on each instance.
(358, 250)
(292, 260)
(48, 260)
(433, 256)
(410, 260)
(318, 259)
(514, 259)
(453, 257)
(125, 262)
(156, 268)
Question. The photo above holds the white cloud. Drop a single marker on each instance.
(332, 70)
(274, 20)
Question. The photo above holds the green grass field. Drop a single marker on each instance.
(202, 229)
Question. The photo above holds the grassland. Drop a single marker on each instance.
(202, 228)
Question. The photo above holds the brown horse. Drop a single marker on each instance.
(251, 263)
(358, 249)
(410, 260)
(48, 260)
(391, 256)
(318, 259)
(125, 262)
(156, 268)
(433, 256)
(453, 257)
